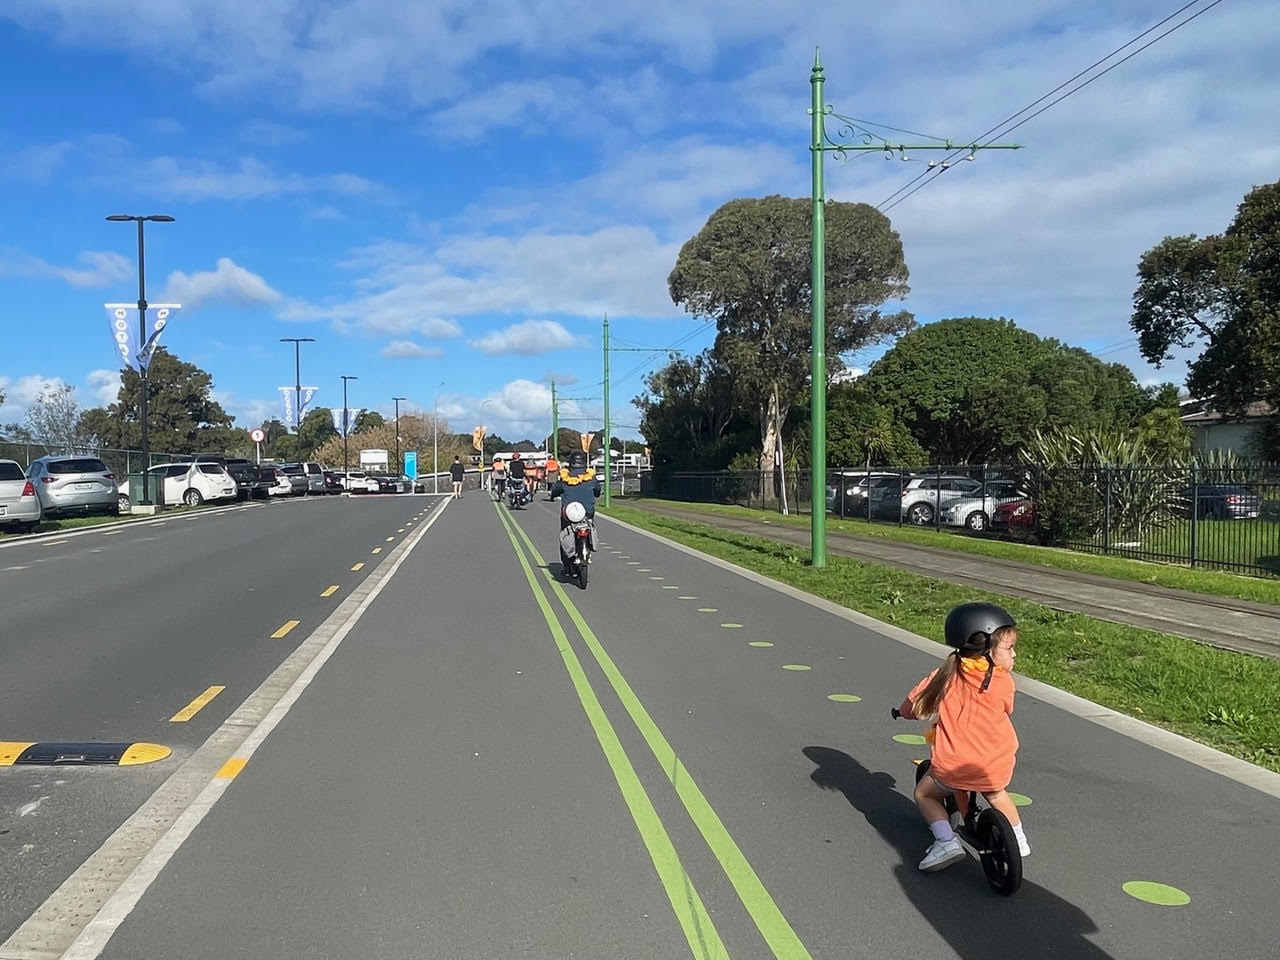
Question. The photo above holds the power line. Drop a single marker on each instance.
(1000, 130)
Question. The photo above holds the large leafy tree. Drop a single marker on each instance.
(182, 415)
(860, 432)
(316, 427)
(691, 415)
(1221, 293)
(55, 418)
(748, 269)
(975, 389)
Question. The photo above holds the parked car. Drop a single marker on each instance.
(974, 512)
(391, 484)
(357, 481)
(193, 483)
(281, 484)
(74, 485)
(922, 495)
(1014, 514)
(332, 482)
(416, 486)
(855, 486)
(315, 477)
(19, 505)
(1224, 501)
(250, 479)
(297, 475)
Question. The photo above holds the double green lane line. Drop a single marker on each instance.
(704, 940)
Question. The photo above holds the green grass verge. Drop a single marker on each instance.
(1214, 582)
(1224, 699)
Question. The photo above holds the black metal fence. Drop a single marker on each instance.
(1222, 517)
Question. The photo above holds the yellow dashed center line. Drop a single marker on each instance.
(329, 591)
(283, 631)
(376, 550)
(401, 530)
(196, 705)
(358, 566)
(389, 539)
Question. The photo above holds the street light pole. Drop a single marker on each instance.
(142, 339)
(555, 424)
(399, 465)
(346, 469)
(297, 377)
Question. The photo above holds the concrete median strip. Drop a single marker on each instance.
(79, 918)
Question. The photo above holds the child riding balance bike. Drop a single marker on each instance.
(968, 702)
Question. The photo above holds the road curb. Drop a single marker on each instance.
(78, 918)
(1184, 748)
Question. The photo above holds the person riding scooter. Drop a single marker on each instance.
(577, 483)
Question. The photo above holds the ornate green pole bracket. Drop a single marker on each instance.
(851, 137)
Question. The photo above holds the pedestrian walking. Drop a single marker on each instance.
(457, 471)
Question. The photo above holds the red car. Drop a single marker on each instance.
(1015, 513)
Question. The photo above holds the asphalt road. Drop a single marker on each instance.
(107, 634)
(490, 765)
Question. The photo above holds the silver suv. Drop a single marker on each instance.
(924, 496)
(74, 485)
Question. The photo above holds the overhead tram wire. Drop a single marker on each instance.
(1000, 129)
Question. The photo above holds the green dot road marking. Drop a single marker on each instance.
(1162, 895)
(913, 738)
(707, 610)
(732, 626)
(1020, 800)
(843, 698)
(796, 666)
(759, 643)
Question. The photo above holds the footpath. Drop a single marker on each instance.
(1219, 621)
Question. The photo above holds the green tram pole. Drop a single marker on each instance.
(853, 137)
(608, 452)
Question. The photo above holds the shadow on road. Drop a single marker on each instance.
(968, 914)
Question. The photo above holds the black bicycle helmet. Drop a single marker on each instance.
(577, 458)
(969, 628)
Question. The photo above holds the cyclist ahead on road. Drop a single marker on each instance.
(577, 483)
(499, 477)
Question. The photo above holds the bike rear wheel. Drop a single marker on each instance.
(1001, 860)
(582, 568)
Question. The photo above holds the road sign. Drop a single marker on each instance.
(411, 464)
(257, 435)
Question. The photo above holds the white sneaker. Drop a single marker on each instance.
(1024, 848)
(942, 854)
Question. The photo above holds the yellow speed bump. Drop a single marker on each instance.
(11, 750)
(81, 753)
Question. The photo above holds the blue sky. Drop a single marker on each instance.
(449, 197)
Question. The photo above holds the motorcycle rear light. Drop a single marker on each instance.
(29, 490)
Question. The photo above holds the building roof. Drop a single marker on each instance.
(1199, 412)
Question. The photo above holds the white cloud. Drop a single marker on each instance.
(96, 269)
(22, 393)
(267, 133)
(518, 409)
(527, 339)
(36, 163)
(192, 179)
(409, 349)
(227, 283)
(105, 386)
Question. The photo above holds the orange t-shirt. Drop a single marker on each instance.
(974, 744)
